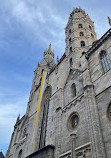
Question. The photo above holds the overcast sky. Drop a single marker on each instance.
(26, 29)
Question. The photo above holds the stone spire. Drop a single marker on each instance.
(49, 52)
(109, 20)
(49, 47)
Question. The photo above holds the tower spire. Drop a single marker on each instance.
(49, 47)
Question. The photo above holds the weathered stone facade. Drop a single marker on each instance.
(77, 98)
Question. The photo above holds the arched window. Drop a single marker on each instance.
(70, 50)
(92, 35)
(81, 34)
(109, 112)
(42, 71)
(44, 116)
(80, 26)
(106, 64)
(71, 62)
(73, 90)
(90, 27)
(69, 40)
(82, 44)
(20, 154)
(70, 31)
(75, 120)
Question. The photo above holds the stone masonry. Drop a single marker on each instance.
(75, 113)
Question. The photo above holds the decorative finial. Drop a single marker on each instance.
(50, 47)
(109, 20)
(57, 59)
(18, 118)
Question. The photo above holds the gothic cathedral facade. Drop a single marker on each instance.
(69, 109)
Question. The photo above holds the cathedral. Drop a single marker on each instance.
(69, 109)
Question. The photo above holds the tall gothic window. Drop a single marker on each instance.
(106, 63)
(74, 120)
(82, 44)
(44, 113)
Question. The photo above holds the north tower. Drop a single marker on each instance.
(80, 33)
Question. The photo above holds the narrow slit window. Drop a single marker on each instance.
(70, 31)
(70, 41)
(73, 90)
(70, 49)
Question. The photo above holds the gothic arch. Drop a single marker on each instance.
(105, 61)
(44, 112)
(73, 90)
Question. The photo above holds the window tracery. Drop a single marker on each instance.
(106, 63)
(73, 121)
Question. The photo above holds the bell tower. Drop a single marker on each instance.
(80, 33)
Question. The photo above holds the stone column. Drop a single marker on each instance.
(59, 113)
(95, 134)
(73, 140)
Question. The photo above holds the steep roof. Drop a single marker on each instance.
(1, 155)
(98, 43)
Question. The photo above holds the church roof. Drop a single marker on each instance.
(1, 155)
(98, 43)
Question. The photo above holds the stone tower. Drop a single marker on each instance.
(80, 33)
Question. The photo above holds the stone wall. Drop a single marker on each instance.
(47, 152)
